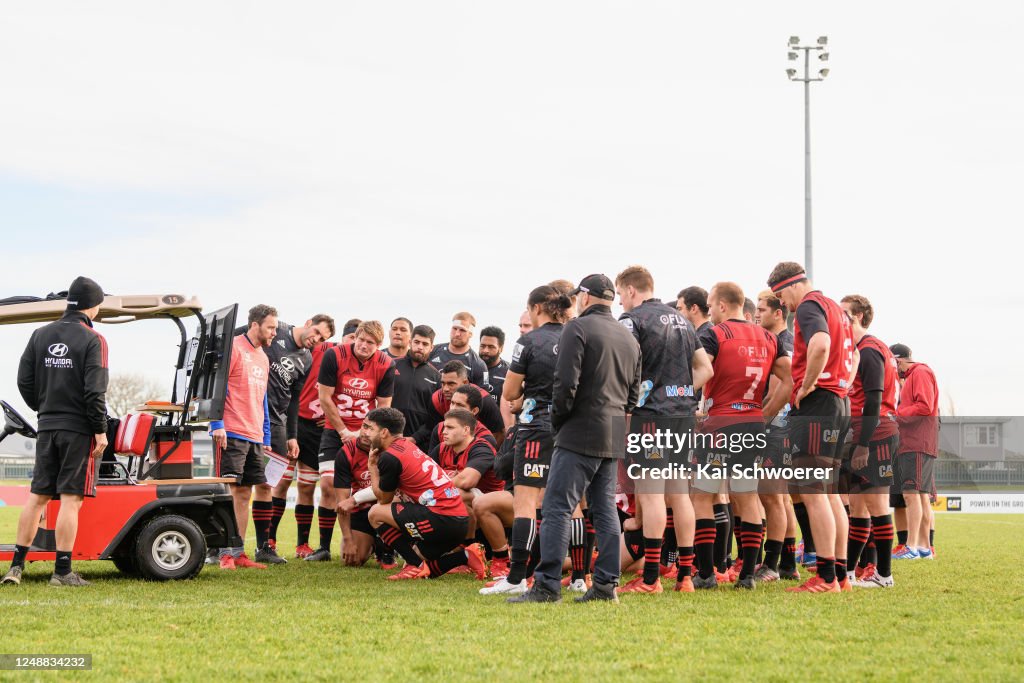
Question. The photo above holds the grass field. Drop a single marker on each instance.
(960, 616)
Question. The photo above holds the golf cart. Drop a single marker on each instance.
(150, 516)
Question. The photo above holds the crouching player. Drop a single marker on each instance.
(355, 496)
(428, 525)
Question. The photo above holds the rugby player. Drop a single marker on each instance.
(353, 380)
(466, 397)
(399, 338)
(524, 323)
(673, 368)
(743, 355)
(290, 360)
(531, 377)
(875, 439)
(780, 531)
(918, 412)
(428, 525)
(824, 361)
(692, 302)
(240, 437)
(355, 496)
(492, 343)
(458, 348)
(453, 376)
(415, 382)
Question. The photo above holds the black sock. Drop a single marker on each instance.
(901, 537)
(931, 537)
(20, 551)
(446, 563)
(523, 530)
(383, 553)
(652, 559)
(787, 562)
(500, 554)
(860, 530)
(684, 561)
(881, 527)
(668, 544)
(393, 538)
(327, 517)
(705, 537)
(750, 542)
(63, 563)
(826, 568)
(760, 547)
(577, 544)
(772, 553)
(840, 568)
(722, 534)
(303, 520)
(588, 548)
(804, 522)
(279, 505)
(534, 548)
(262, 512)
(870, 554)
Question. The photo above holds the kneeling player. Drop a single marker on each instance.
(355, 496)
(428, 526)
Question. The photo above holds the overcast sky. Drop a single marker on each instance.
(414, 158)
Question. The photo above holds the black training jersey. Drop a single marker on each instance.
(495, 380)
(786, 343)
(667, 344)
(474, 365)
(289, 366)
(534, 357)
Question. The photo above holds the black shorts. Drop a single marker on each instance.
(533, 450)
(360, 520)
(778, 451)
(648, 449)
(727, 442)
(815, 433)
(64, 464)
(916, 472)
(242, 460)
(878, 473)
(309, 433)
(435, 535)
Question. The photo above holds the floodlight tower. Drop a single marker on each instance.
(821, 48)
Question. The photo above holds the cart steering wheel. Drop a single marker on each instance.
(15, 423)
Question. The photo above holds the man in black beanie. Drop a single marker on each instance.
(63, 377)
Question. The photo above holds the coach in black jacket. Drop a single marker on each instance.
(597, 382)
(63, 377)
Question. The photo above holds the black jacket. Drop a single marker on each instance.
(63, 376)
(597, 381)
(413, 387)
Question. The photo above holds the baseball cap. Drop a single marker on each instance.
(596, 285)
(901, 351)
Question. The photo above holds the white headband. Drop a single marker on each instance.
(468, 326)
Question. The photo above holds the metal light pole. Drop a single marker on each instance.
(794, 47)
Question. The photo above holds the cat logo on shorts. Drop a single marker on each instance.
(831, 436)
(885, 471)
(534, 471)
(413, 531)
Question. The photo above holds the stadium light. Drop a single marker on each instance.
(794, 52)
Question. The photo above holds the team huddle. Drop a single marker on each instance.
(439, 455)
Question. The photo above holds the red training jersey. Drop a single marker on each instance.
(887, 425)
(357, 384)
(743, 362)
(453, 463)
(835, 376)
(309, 397)
(442, 405)
(358, 470)
(407, 470)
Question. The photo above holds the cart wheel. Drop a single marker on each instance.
(127, 565)
(170, 547)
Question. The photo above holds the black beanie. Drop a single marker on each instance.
(84, 293)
